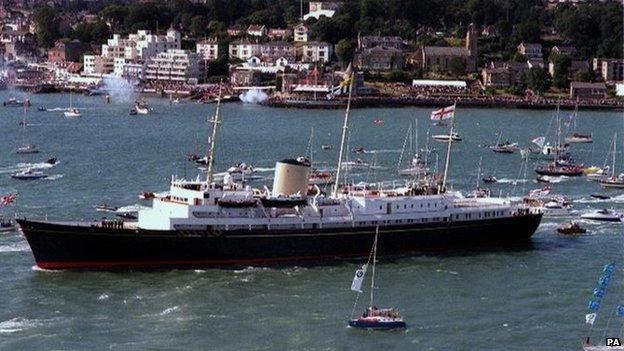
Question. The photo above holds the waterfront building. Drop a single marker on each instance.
(301, 33)
(574, 67)
(496, 77)
(317, 52)
(175, 65)
(279, 33)
(276, 49)
(530, 50)
(208, 48)
(610, 70)
(243, 49)
(588, 90)
(257, 30)
(371, 41)
(65, 50)
(439, 58)
(379, 58)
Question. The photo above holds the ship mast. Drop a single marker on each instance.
(345, 127)
(372, 290)
(211, 140)
(448, 148)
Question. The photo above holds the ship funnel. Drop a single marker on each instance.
(291, 177)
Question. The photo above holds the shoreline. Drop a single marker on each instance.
(391, 102)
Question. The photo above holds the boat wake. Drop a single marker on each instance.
(39, 269)
(382, 151)
(512, 181)
(14, 247)
(591, 200)
(169, 310)
(24, 166)
(18, 324)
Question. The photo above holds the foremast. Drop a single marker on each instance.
(211, 139)
(345, 128)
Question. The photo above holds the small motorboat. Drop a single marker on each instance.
(72, 113)
(597, 174)
(554, 208)
(604, 215)
(358, 150)
(240, 171)
(578, 138)
(326, 147)
(600, 196)
(612, 182)
(6, 225)
(446, 137)
(41, 109)
(559, 169)
(546, 179)
(52, 161)
(379, 319)
(142, 108)
(489, 180)
(13, 102)
(29, 175)
(570, 228)
(105, 208)
(479, 193)
(27, 149)
(505, 148)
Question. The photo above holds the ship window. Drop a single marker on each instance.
(412, 205)
(428, 204)
(380, 207)
(421, 205)
(456, 216)
(435, 204)
(404, 206)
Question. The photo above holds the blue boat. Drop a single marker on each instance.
(373, 318)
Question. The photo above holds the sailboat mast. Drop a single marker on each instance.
(614, 152)
(372, 289)
(448, 149)
(345, 127)
(558, 136)
(215, 124)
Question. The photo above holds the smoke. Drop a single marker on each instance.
(119, 89)
(253, 96)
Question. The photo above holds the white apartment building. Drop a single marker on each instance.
(136, 47)
(209, 49)
(175, 65)
(244, 50)
(317, 52)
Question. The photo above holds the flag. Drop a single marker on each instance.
(590, 318)
(7, 199)
(356, 285)
(344, 86)
(443, 113)
(539, 141)
(620, 310)
(608, 268)
(599, 293)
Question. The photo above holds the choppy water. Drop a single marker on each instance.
(529, 299)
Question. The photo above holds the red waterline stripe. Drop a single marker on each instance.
(165, 263)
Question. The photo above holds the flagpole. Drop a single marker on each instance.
(448, 149)
(345, 127)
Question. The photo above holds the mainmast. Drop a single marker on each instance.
(211, 140)
(345, 127)
(448, 149)
(372, 289)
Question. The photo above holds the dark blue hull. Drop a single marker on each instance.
(376, 325)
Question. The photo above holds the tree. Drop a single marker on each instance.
(560, 65)
(47, 24)
(344, 50)
(398, 76)
(457, 66)
(198, 26)
(537, 79)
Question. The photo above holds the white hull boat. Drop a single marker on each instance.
(603, 215)
(446, 137)
(29, 175)
(72, 113)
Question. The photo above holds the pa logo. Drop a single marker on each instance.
(613, 342)
(359, 274)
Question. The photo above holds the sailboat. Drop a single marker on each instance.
(373, 318)
(558, 167)
(613, 181)
(593, 307)
(26, 148)
(504, 147)
(576, 137)
(72, 112)
(416, 166)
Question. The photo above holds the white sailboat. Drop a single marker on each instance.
(25, 148)
(72, 112)
(416, 166)
(373, 318)
(576, 137)
(613, 181)
(610, 342)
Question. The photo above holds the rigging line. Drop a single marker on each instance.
(367, 263)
